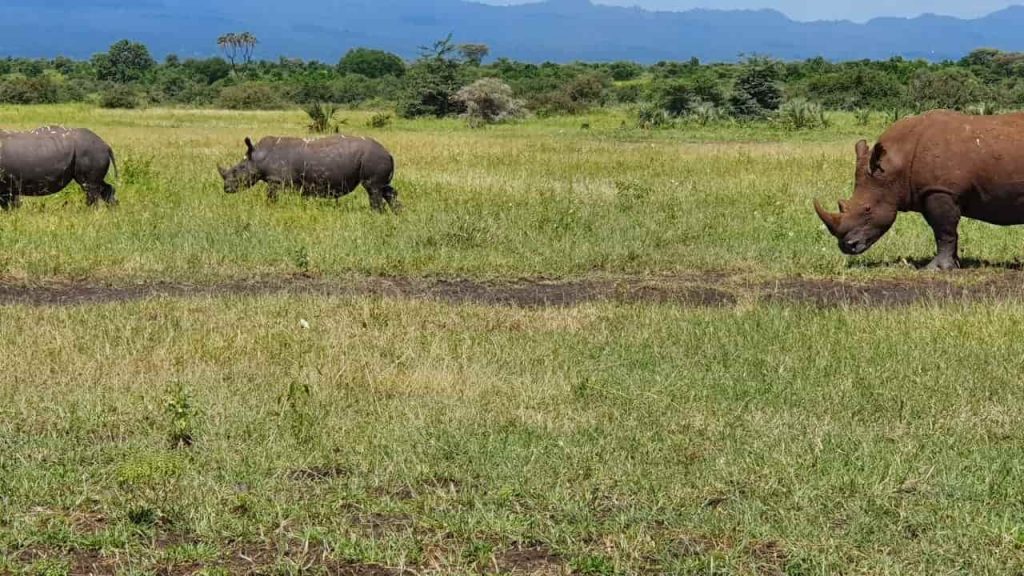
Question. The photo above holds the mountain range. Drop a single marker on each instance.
(551, 30)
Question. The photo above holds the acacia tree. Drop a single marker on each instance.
(474, 54)
(237, 46)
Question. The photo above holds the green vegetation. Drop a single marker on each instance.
(753, 89)
(236, 433)
(541, 197)
(614, 439)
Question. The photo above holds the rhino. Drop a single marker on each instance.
(45, 160)
(330, 167)
(942, 164)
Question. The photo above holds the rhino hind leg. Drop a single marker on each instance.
(391, 197)
(102, 191)
(376, 199)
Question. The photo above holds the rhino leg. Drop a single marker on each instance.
(273, 190)
(9, 201)
(376, 199)
(943, 214)
(391, 197)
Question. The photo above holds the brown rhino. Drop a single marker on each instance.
(942, 164)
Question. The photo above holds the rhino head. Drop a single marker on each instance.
(870, 212)
(242, 175)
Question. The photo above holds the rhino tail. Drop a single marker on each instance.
(113, 162)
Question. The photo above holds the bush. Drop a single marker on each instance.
(953, 88)
(22, 90)
(673, 96)
(119, 96)
(321, 118)
(706, 113)
(251, 96)
(799, 114)
(431, 83)
(649, 117)
(371, 63)
(756, 94)
(379, 120)
(488, 101)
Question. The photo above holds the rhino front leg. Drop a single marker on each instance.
(9, 201)
(273, 190)
(943, 215)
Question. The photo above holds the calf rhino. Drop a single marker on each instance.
(44, 161)
(942, 164)
(331, 167)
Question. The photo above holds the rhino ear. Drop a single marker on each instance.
(877, 153)
(250, 147)
(862, 148)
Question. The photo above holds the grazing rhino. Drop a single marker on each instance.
(943, 164)
(44, 161)
(332, 167)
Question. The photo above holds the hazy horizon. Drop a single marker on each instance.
(854, 10)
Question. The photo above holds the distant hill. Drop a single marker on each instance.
(556, 30)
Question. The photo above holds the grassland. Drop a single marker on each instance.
(243, 432)
(545, 198)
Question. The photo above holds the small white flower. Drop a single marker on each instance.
(304, 324)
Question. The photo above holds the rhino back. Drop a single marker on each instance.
(36, 160)
(958, 151)
(335, 159)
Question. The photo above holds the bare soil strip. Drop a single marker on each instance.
(694, 291)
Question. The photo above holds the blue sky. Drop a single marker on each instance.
(857, 10)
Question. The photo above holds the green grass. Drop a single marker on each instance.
(307, 434)
(541, 198)
(626, 439)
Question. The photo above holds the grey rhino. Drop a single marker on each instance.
(332, 167)
(45, 160)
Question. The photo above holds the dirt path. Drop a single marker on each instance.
(694, 290)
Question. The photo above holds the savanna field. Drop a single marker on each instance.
(583, 348)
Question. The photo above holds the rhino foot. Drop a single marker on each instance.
(943, 264)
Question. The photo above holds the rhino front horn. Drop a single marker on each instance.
(830, 219)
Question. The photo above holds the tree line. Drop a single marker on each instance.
(127, 76)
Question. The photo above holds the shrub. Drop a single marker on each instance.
(953, 88)
(649, 117)
(431, 83)
(321, 118)
(22, 90)
(673, 96)
(371, 63)
(488, 101)
(379, 120)
(119, 96)
(251, 96)
(706, 113)
(756, 93)
(799, 114)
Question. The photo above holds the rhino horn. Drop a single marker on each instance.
(831, 220)
(223, 171)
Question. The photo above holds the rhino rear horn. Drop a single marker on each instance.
(831, 220)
